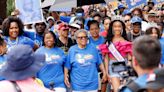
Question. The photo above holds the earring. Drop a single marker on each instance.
(113, 32)
(121, 32)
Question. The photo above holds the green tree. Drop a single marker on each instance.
(10, 6)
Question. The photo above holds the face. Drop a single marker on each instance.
(159, 17)
(94, 30)
(136, 27)
(136, 13)
(40, 28)
(154, 33)
(3, 48)
(146, 8)
(97, 18)
(49, 40)
(50, 22)
(127, 20)
(64, 33)
(72, 31)
(13, 30)
(82, 39)
(117, 28)
(151, 18)
(106, 24)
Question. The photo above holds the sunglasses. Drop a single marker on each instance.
(127, 20)
(82, 37)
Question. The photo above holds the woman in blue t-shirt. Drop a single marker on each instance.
(13, 31)
(52, 72)
(3, 51)
(83, 61)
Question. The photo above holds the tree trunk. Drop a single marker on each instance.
(3, 8)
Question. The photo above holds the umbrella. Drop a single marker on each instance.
(66, 5)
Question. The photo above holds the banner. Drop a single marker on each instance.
(158, 1)
(135, 3)
(30, 11)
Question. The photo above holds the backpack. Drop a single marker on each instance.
(133, 86)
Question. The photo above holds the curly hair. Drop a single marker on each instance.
(8, 21)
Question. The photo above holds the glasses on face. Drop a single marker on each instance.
(127, 20)
(82, 37)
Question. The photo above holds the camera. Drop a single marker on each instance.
(125, 71)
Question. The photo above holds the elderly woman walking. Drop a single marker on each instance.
(83, 60)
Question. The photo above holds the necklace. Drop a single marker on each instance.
(11, 43)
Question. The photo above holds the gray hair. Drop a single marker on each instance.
(80, 31)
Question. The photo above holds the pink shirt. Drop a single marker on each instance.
(123, 47)
(28, 85)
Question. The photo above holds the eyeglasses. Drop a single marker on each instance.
(127, 20)
(82, 37)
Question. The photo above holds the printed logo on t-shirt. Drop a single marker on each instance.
(51, 58)
(83, 59)
(39, 43)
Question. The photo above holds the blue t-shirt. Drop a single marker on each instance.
(162, 46)
(2, 62)
(19, 40)
(97, 42)
(83, 65)
(141, 81)
(38, 39)
(52, 71)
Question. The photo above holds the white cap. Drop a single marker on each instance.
(75, 25)
(50, 17)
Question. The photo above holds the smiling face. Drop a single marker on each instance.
(3, 48)
(94, 30)
(49, 40)
(82, 39)
(117, 28)
(13, 30)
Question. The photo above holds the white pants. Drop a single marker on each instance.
(60, 89)
(85, 91)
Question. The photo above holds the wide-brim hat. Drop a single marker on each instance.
(22, 63)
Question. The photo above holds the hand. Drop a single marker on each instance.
(66, 80)
(104, 78)
(108, 78)
(15, 12)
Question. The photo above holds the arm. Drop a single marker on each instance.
(129, 59)
(35, 47)
(102, 68)
(66, 77)
(106, 63)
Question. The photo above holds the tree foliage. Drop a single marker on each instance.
(10, 6)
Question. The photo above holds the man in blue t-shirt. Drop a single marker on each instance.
(146, 58)
(37, 36)
(94, 30)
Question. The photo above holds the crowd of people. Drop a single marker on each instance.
(90, 49)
